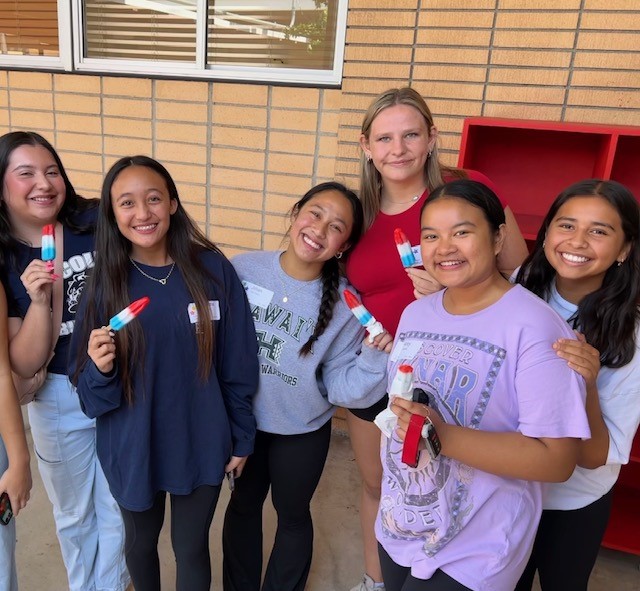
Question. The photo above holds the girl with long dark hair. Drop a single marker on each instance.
(36, 191)
(172, 390)
(586, 265)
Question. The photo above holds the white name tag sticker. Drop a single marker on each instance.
(214, 309)
(406, 350)
(257, 295)
(418, 255)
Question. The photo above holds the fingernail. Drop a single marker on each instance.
(54, 276)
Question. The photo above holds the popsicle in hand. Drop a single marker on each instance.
(402, 385)
(374, 328)
(128, 314)
(404, 248)
(48, 243)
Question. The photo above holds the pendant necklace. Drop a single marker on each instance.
(162, 281)
(287, 293)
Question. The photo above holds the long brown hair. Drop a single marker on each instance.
(107, 285)
(370, 178)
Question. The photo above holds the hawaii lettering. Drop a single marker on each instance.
(282, 319)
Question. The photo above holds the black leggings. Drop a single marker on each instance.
(191, 517)
(566, 547)
(399, 578)
(291, 465)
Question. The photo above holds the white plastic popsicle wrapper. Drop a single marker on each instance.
(402, 385)
(374, 328)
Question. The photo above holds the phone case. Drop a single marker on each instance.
(6, 513)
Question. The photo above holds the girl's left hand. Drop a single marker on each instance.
(403, 409)
(580, 356)
(383, 342)
(236, 465)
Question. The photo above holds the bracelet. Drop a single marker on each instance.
(411, 447)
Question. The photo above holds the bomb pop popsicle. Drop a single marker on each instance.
(404, 248)
(48, 243)
(363, 315)
(128, 314)
(402, 385)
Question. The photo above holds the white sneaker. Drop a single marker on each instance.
(367, 584)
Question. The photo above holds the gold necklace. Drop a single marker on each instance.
(412, 200)
(162, 281)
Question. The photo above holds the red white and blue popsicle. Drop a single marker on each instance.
(404, 248)
(374, 328)
(48, 252)
(128, 314)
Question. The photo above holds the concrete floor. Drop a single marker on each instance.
(337, 560)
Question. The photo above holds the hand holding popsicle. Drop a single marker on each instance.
(102, 348)
(374, 328)
(404, 248)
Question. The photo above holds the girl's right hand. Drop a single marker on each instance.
(37, 280)
(102, 349)
(423, 283)
(383, 342)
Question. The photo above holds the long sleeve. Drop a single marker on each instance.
(237, 363)
(99, 393)
(354, 377)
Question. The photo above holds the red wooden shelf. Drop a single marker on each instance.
(623, 530)
(531, 162)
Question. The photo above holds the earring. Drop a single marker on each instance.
(368, 157)
(429, 154)
(338, 255)
(620, 262)
(544, 243)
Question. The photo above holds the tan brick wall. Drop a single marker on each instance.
(242, 153)
(560, 60)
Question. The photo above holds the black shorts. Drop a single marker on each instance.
(368, 414)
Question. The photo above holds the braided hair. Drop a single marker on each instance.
(332, 269)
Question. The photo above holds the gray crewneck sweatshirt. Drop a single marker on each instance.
(297, 394)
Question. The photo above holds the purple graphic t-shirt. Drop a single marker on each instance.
(494, 370)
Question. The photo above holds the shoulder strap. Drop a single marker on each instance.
(57, 294)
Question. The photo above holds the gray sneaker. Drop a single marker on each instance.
(367, 584)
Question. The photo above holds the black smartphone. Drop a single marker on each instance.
(6, 513)
(431, 439)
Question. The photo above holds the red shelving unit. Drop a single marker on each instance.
(531, 162)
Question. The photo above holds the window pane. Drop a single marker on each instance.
(29, 27)
(141, 29)
(277, 34)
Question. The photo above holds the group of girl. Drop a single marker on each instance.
(233, 371)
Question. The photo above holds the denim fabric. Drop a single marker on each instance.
(88, 520)
(8, 578)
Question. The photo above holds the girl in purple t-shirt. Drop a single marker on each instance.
(507, 409)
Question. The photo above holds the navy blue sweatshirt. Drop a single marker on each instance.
(180, 431)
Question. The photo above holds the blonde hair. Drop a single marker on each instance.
(370, 178)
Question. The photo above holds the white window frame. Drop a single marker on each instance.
(71, 59)
(44, 62)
